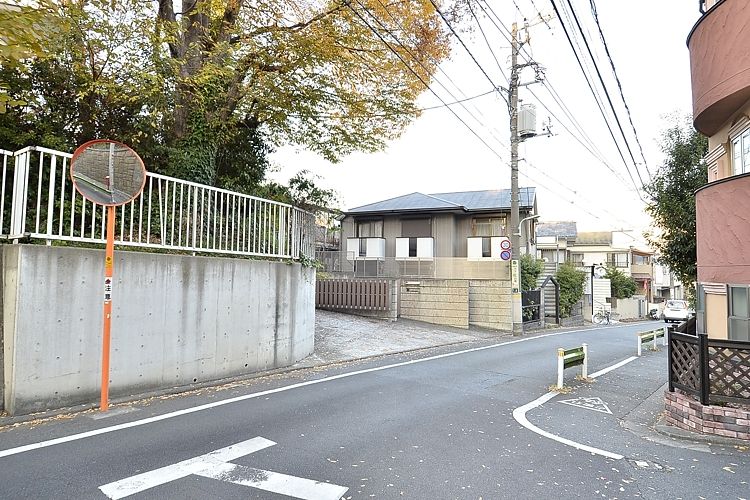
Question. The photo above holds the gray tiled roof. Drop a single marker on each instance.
(465, 200)
(594, 238)
(565, 229)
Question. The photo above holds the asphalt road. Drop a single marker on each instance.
(429, 425)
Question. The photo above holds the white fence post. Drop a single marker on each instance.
(585, 366)
(638, 340)
(20, 193)
(666, 330)
(560, 367)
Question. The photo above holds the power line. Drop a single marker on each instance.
(591, 148)
(619, 85)
(604, 87)
(427, 86)
(437, 65)
(611, 132)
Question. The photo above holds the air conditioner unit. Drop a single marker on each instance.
(527, 121)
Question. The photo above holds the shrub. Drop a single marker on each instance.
(531, 268)
(571, 282)
(623, 286)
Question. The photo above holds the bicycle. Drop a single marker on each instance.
(603, 316)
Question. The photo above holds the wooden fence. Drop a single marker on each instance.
(716, 371)
(357, 294)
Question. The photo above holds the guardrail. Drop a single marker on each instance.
(38, 201)
(651, 336)
(567, 358)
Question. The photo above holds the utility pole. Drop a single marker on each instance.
(515, 195)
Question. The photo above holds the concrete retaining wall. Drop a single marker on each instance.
(177, 320)
(490, 304)
(441, 302)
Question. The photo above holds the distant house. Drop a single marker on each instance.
(439, 231)
(614, 249)
(552, 242)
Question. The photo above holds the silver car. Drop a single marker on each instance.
(675, 311)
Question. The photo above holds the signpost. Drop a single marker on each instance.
(107, 173)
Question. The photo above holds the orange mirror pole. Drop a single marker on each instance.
(108, 266)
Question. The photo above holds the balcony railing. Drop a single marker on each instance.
(414, 248)
(365, 248)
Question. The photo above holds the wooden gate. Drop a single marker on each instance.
(356, 293)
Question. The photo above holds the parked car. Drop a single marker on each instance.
(675, 311)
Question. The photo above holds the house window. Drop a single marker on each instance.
(576, 258)
(640, 260)
(370, 228)
(489, 226)
(416, 228)
(739, 312)
(617, 259)
(741, 153)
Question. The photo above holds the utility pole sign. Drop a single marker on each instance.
(111, 174)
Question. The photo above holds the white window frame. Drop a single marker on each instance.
(740, 151)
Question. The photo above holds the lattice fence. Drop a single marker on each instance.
(729, 373)
(714, 370)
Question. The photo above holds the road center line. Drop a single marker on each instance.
(215, 404)
(520, 415)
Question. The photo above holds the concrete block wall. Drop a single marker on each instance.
(490, 304)
(441, 302)
(177, 320)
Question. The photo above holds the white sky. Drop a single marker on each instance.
(437, 153)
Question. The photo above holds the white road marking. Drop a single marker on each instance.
(613, 367)
(593, 403)
(215, 465)
(215, 404)
(156, 477)
(275, 482)
(520, 415)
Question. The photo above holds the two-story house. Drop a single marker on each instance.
(720, 74)
(437, 235)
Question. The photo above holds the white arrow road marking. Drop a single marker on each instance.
(214, 465)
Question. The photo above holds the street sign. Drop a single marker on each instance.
(515, 275)
(217, 465)
(107, 173)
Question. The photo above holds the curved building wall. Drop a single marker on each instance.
(723, 231)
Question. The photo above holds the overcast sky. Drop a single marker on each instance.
(647, 41)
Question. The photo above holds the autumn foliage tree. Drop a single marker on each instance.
(206, 89)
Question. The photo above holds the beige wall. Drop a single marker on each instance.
(716, 316)
(490, 304)
(441, 302)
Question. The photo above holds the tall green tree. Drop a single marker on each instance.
(206, 89)
(671, 203)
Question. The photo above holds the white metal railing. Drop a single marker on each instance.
(39, 201)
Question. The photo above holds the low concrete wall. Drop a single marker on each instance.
(490, 304)
(441, 302)
(632, 308)
(177, 320)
